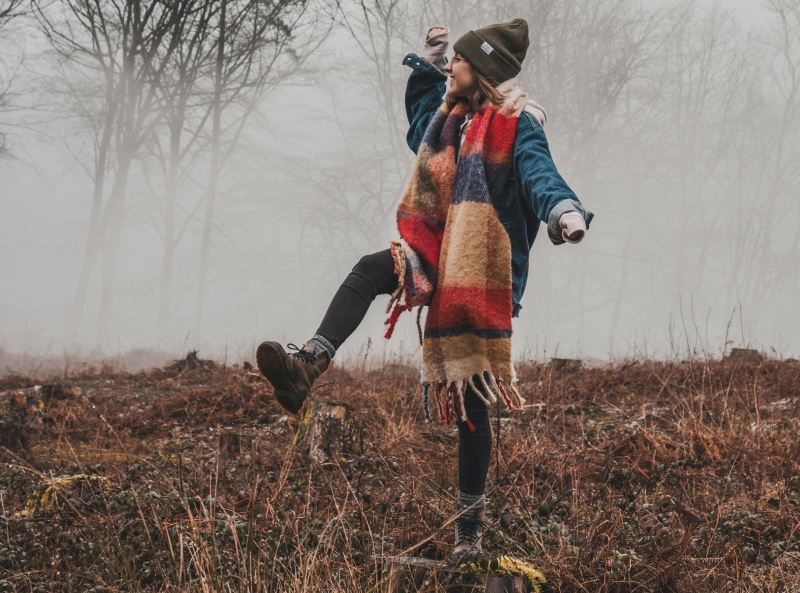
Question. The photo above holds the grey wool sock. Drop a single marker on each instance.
(467, 500)
(319, 344)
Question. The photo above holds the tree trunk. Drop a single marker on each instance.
(94, 239)
(168, 260)
(94, 242)
(126, 142)
(115, 214)
(205, 247)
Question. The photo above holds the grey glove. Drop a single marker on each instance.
(437, 41)
(573, 227)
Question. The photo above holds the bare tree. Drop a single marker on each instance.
(122, 48)
(199, 66)
(179, 147)
(9, 10)
(763, 247)
(256, 46)
(638, 127)
(784, 171)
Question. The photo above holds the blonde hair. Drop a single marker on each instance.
(482, 91)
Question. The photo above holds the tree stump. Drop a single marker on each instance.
(190, 363)
(566, 365)
(421, 575)
(14, 428)
(22, 412)
(233, 442)
(329, 430)
(745, 356)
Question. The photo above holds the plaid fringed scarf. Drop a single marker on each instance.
(454, 255)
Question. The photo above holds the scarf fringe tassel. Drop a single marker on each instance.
(399, 298)
(450, 397)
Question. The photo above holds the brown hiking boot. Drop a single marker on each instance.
(292, 375)
(469, 529)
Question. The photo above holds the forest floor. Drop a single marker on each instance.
(643, 476)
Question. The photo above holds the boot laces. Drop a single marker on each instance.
(303, 355)
(470, 529)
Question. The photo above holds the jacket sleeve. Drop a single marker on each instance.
(545, 192)
(424, 95)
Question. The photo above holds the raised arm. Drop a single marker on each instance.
(427, 84)
(546, 193)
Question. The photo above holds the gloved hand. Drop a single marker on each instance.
(436, 43)
(573, 227)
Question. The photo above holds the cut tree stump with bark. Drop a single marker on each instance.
(421, 575)
(566, 365)
(329, 430)
(745, 355)
(22, 412)
(233, 442)
(190, 363)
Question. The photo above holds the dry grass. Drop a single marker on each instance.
(638, 477)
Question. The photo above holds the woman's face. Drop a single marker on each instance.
(462, 78)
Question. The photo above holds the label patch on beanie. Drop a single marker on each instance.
(487, 48)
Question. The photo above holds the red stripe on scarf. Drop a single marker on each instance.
(426, 236)
(482, 308)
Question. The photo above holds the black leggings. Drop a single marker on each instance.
(374, 275)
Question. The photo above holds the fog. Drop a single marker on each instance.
(676, 123)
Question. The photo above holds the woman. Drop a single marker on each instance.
(482, 182)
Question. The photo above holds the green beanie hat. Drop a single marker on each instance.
(495, 51)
